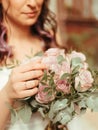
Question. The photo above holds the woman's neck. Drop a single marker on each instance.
(17, 31)
(22, 41)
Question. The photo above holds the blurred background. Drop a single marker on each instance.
(78, 26)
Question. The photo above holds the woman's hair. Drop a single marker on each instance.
(43, 27)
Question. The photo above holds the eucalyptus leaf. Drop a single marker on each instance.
(41, 112)
(76, 62)
(75, 70)
(63, 117)
(56, 107)
(25, 113)
(92, 103)
(33, 103)
(71, 108)
(51, 113)
(82, 104)
(14, 117)
(60, 59)
(66, 118)
(59, 105)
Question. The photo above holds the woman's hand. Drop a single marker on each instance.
(23, 80)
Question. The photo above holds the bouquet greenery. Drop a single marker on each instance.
(67, 88)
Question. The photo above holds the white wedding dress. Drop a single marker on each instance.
(88, 121)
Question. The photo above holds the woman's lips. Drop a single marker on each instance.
(31, 14)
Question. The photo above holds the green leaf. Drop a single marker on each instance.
(82, 104)
(45, 77)
(75, 70)
(66, 118)
(51, 82)
(43, 83)
(25, 113)
(60, 104)
(60, 59)
(92, 102)
(39, 54)
(41, 112)
(56, 107)
(46, 89)
(64, 76)
(14, 116)
(63, 117)
(52, 73)
(33, 103)
(71, 108)
(50, 93)
(76, 62)
(78, 87)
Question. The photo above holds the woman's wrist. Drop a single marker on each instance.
(4, 96)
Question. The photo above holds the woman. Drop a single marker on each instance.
(24, 26)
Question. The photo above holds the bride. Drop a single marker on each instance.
(25, 30)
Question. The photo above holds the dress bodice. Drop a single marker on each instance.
(4, 74)
(88, 121)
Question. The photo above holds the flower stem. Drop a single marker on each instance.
(56, 126)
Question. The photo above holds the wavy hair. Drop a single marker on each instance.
(46, 19)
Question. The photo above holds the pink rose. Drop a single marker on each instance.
(55, 52)
(65, 67)
(42, 96)
(49, 61)
(52, 64)
(85, 66)
(63, 86)
(84, 79)
(75, 54)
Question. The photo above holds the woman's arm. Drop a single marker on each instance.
(4, 110)
(22, 82)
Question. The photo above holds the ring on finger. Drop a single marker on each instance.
(30, 84)
(25, 84)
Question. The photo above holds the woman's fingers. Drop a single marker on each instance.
(20, 90)
(29, 75)
(23, 80)
(31, 66)
(28, 93)
(29, 84)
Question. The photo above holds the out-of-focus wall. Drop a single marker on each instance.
(54, 8)
(95, 8)
(53, 5)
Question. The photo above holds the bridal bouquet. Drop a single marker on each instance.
(67, 88)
